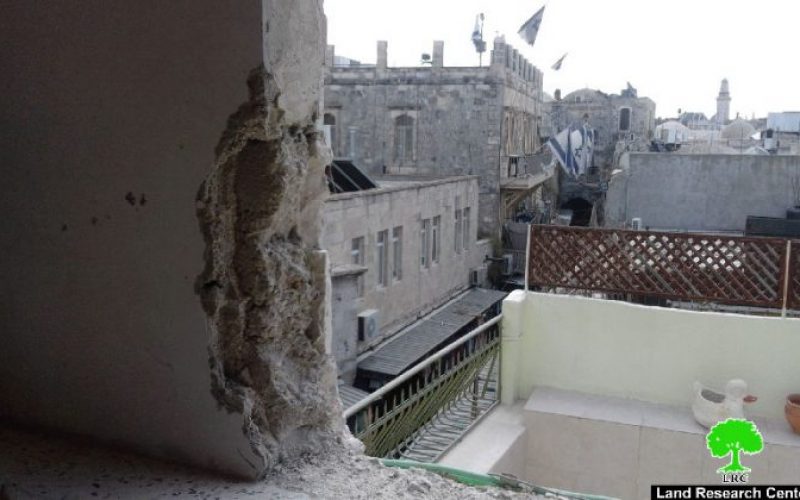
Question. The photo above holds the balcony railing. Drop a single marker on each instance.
(746, 271)
(423, 411)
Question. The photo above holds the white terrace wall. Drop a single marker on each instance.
(700, 192)
(647, 353)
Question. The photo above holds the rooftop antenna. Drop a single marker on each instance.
(477, 38)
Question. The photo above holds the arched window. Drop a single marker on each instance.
(403, 138)
(330, 122)
(624, 119)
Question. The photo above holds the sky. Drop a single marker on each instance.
(675, 52)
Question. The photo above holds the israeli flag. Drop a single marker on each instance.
(530, 28)
(557, 65)
(573, 148)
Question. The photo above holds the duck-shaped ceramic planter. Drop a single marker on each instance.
(710, 407)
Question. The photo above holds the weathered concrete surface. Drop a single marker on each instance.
(700, 192)
(108, 120)
(34, 468)
(265, 281)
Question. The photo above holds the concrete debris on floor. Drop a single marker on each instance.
(44, 467)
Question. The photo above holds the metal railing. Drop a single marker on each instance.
(431, 401)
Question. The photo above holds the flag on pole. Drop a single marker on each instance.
(557, 65)
(477, 35)
(530, 28)
(476, 32)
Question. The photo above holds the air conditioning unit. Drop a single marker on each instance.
(508, 264)
(477, 276)
(636, 223)
(368, 327)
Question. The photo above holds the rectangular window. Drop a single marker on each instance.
(424, 242)
(459, 239)
(467, 233)
(357, 258)
(397, 253)
(404, 138)
(383, 258)
(436, 240)
(624, 119)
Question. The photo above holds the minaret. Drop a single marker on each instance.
(723, 103)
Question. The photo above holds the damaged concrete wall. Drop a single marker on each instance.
(123, 318)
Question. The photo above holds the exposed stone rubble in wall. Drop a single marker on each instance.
(263, 286)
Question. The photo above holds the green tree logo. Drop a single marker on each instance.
(732, 437)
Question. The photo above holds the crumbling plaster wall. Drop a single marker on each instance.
(116, 323)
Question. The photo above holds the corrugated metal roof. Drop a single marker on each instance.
(409, 347)
(350, 395)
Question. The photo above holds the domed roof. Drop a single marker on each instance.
(738, 129)
(585, 94)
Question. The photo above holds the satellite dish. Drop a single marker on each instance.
(426, 58)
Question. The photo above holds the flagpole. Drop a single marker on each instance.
(477, 39)
(480, 54)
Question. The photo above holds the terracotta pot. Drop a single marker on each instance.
(792, 410)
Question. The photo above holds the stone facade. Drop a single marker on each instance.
(608, 116)
(437, 120)
(375, 242)
(623, 122)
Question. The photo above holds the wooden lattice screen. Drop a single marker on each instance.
(679, 266)
(794, 277)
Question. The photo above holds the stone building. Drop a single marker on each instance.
(622, 122)
(397, 252)
(616, 118)
(438, 120)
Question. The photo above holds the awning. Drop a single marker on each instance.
(350, 395)
(419, 340)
